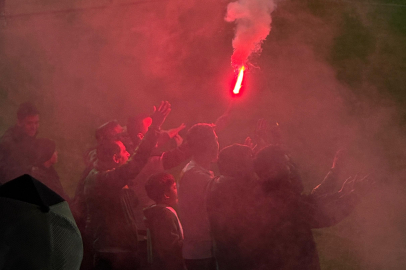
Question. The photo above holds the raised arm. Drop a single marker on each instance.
(119, 177)
(331, 181)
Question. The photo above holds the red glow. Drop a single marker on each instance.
(237, 87)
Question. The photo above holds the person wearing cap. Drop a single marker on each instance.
(109, 131)
(16, 145)
(114, 238)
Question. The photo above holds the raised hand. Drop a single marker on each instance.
(248, 142)
(160, 114)
(175, 131)
(356, 184)
(339, 159)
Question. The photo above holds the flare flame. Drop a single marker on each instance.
(237, 87)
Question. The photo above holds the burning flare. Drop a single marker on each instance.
(239, 81)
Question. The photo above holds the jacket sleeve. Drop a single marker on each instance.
(119, 177)
(173, 158)
(166, 240)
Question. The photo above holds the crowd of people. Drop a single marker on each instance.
(133, 214)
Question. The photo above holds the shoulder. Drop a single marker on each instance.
(8, 136)
(159, 213)
(196, 172)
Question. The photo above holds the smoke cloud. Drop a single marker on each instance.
(87, 67)
(253, 19)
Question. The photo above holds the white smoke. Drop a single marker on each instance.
(253, 24)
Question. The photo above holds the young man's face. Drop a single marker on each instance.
(121, 158)
(30, 125)
(172, 195)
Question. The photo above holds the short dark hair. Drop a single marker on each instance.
(26, 109)
(107, 149)
(198, 136)
(269, 157)
(158, 184)
(233, 160)
(105, 131)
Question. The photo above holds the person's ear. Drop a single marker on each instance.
(116, 159)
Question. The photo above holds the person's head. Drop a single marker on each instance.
(46, 152)
(28, 118)
(203, 141)
(272, 164)
(138, 125)
(108, 131)
(236, 161)
(112, 152)
(161, 188)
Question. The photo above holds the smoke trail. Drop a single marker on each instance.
(253, 19)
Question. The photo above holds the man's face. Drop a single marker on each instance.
(121, 158)
(30, 125)
(172, 195)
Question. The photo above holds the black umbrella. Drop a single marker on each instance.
(37, 229)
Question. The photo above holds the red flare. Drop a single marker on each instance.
(237, 87)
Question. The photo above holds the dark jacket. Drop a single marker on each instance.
(16, 154)
(165, 238)
(288, 218)
(232, 210)
(108, 206)
(265, 225)
(50, 178)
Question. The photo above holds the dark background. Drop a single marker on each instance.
(332, 73)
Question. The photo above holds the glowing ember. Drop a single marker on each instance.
(239, 81)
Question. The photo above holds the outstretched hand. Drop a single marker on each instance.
(339, 159)
(175, 131)
(356, 184)
(248, 142)
(160, 114)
